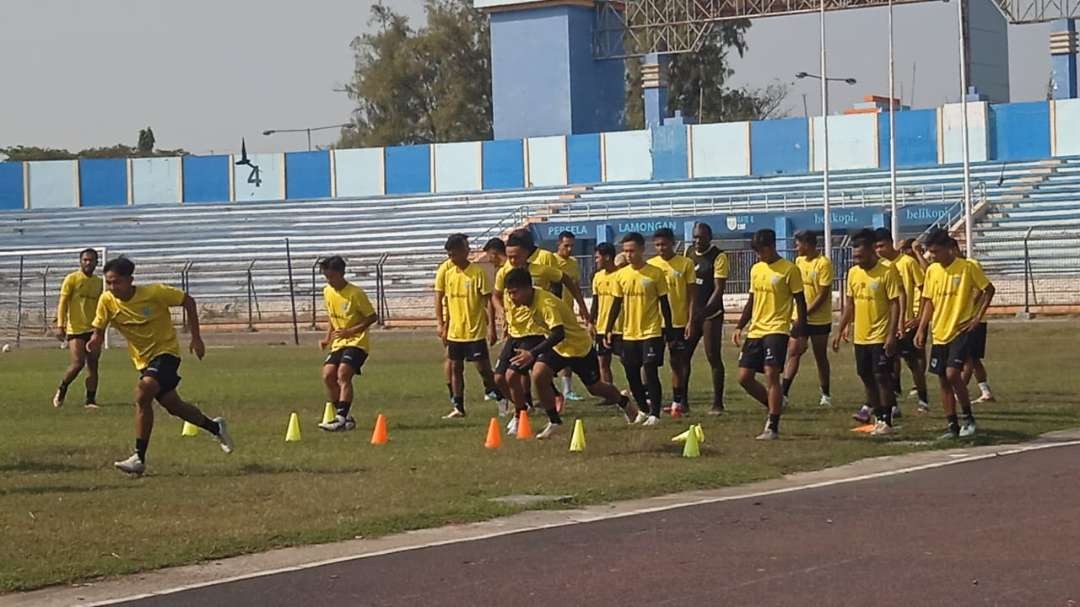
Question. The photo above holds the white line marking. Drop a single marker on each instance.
(592, 519)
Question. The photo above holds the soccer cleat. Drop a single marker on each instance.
(768, 434)
(58, 399)
(985, 397)
(640, 417)
(968, 429)
(131, 465)
(574, 396)
(826, 401)
(91, 405)
(504, 408)
(350, 423)
(678, 410)
(914, 393)
(716, 410)
(339, 424)
(949, 435)
(489, 396)
(896, 413)
(511, 428)
(863, 415)
(924, 407)
(454, 414)
(548, 431)
(652, 420)
(223, 438)
(882, 429)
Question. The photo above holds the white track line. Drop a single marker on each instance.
(596, 518)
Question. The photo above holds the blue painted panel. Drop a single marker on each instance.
(12, 195)
(916, 139)
(504, 164)
(669, 152)
(1067, 127)
(307, 174)
(206, 178)
(359, 172)
(155, 180)
(269, 184)
(530, 82)
(53, 184)
(457, 167)
(103, 182)
(583, 159)
(597, 87)
(408, 169)
(1020, 131)
(779, 146)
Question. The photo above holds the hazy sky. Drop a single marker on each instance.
(204, 73)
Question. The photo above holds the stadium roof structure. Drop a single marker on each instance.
(631, 28)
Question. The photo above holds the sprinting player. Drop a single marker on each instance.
(641, 299)
(603, 298)
(873, 303)
(912, 277)
(567, 346)
(775, 288)
(351, 314)
(711, 270)
(141, 315)
(955, 299)
(564, 256)
(817, 276)
(978, 353)
(681, 288)
(79, 294)
(466, 289)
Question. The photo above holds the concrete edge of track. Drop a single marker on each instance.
(179, 579)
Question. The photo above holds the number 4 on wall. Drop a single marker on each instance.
(254, 176)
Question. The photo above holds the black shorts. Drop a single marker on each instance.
(616, 345)
(767, 351)
(639, 352)
(471, 351)
(870, 360)
(977, 342)
(953, 354)
(809, 330)
(906, 346)
(587, 367)
(164, 369)
(354, 357)
(83, 336)
(676, 339)
(509, 351)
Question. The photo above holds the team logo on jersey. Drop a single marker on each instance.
(646, 282)
(813, 275)
(775, 279)
(732, 222)
(345, 306)
(956, 281)
(874, 285)
(468, 284)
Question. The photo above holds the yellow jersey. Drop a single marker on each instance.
(439, 272)
(679, 273)
(544, 257)
(519, 321)
(348, 308)
(871, 291)
(570, 267)
(602, 290)
(79, 296)
(144, 321)
(953, 290)
(774, 286)
(550, 312)
(911, 279)
(817, 276)
(640, 290)
(466, 292)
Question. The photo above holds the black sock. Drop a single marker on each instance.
(924, 397)
(63, 389)
(954, 424)
(553, 416)
(966, 410)
(885, 415)
(786, 384)
(624, 401)
(450, 389)
(774, 423)
(459, 403)
(824, 391)
(654, 389)
(495, 394)
(91, 396)
(209, 425)
(528, 400)
(141, 444)
(342, 408)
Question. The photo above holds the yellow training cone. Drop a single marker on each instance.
(328, 413)
(692, 447)
(190, 429)
(681, 438)
(700, 433)
(292, 435)
(577, 441)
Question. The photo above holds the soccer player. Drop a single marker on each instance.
(466, 289)
(873, 303)
(711, 270)
(978, 352)
(641, 299)
(141, 315)
(775, 288)
(955, 299)
(566, 346)
(564, 256)
(79, 295)
(912, 277)
(681, 287)
(603, 298)
(817, 277)
(440, 308)
(351, 314)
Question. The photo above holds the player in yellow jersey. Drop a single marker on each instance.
(682, 289)
(775, 289)
(141, 314)
(604, 257)
(641, 301)
(955, 299)
(711, 270)
(975, 366)
(440, 308)
(873, 306)
(567, 346)
(79, 296)
(817, 275)
(468, 325)
(564, 256)
(350, 315)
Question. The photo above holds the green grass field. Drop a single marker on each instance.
(66, 515)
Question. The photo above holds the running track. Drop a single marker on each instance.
(999, 531)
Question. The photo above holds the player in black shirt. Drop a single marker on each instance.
(711, 268)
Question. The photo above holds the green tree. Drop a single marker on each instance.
(421, 86)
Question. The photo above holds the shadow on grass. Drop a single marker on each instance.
(48, 489)
(264, 468)
(36, 466)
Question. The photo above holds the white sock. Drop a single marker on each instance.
(567, 385)
(984, 387)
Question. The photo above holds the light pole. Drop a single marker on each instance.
(895, 223)
(308, 130)
(968, 244)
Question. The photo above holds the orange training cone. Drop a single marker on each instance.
(380, 436)
(524, 429)
(494, 436)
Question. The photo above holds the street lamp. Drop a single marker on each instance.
(894, 224)
(308, 130)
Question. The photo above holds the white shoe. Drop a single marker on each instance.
(640, 417)
(826, 401)
(454, 414)
(339, 424)
(651, 420)
(574, 396)
(984, 398)
(58, 399)
(223, 437)
(511, 428)
(548, 431)
(504, 408)
(131, 465)
(914, 393)
(924, 407)
(768, 434)
(967, 430)
(896, 412)
(488, 396)
(882, 429)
